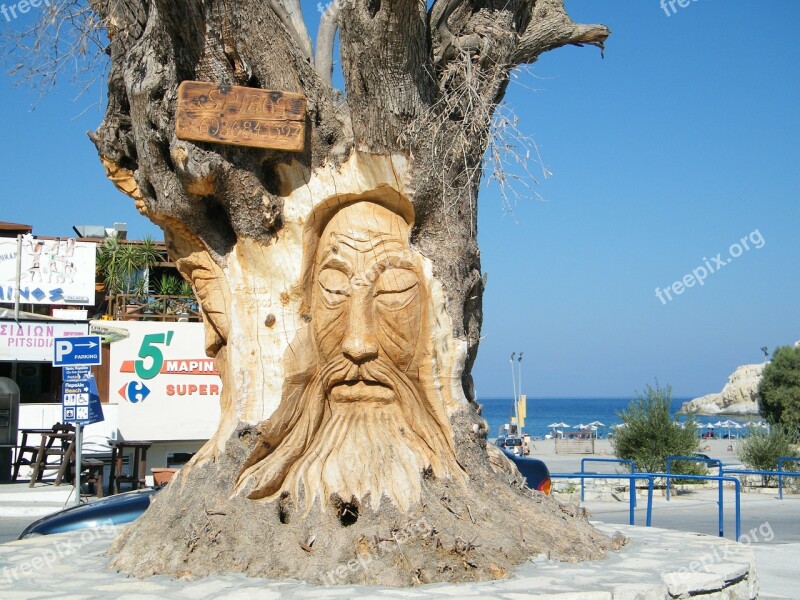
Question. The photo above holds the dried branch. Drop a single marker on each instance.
(326, 35)
(508, 159)
(64, 35)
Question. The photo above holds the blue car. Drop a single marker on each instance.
(113, 510)
(535, 472)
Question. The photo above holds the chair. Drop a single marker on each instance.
(56, 449)
(27, 451)
(91, 472)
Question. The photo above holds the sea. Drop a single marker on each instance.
(575, 411)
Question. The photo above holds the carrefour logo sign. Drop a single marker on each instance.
(157, 361)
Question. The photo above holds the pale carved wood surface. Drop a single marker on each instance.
(357, 416)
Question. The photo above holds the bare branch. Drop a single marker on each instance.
(551, 28)
(289, 13)
(325, 39)
(64, 36)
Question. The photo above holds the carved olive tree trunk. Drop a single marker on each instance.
(341, 287)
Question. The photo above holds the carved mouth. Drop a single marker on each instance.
(361, 391)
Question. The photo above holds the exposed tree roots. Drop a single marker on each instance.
(457, 534)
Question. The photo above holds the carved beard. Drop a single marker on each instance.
(351, 448)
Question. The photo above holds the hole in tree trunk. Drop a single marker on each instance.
(346, 511)
(283, 508)
(373, 6)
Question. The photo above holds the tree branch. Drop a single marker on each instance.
(550, 28)
(439, 13)
(325, 38)
(289, 13)
(64, 35)
(386, 65)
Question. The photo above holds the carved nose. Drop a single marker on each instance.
(359, 344)
(359, 347)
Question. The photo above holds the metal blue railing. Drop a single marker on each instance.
(779, 474)
(782, 460)
(623, 461)
(718, 478)
(708, 461)
(631, 477)
(669, 476)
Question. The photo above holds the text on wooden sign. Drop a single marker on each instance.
(241, 116)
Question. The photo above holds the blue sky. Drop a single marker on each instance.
(677, 145)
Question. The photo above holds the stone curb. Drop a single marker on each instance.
(655, 564)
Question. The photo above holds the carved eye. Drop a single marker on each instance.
(396, 288)
(335, 286)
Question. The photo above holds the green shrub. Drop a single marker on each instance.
(779, 390)
(760, 450)
(650, 434)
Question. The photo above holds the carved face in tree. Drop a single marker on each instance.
(357, 416)
(367, 303)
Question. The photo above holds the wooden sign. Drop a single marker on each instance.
(241, 116)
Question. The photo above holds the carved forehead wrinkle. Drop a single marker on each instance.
(364, 227)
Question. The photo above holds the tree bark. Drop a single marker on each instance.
(394, 165)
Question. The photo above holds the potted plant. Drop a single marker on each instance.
(165, 287)
(123, 268)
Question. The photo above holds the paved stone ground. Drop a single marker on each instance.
(656, 563)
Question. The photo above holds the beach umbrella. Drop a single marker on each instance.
(596, 424)
(555, 425)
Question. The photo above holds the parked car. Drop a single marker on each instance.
(535, 472)
(511, 443)
(116, 510)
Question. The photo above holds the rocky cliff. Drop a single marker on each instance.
(738, 397)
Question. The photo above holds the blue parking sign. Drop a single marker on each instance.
(76, 351)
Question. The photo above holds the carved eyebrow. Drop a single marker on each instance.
(366, 241)
(396, 261)
(334, 262)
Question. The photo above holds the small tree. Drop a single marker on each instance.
(779, 390)
(123, 265)
(651, 434)
(761, 450)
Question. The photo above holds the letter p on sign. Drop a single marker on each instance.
(63, 348)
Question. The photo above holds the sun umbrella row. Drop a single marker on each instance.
(563, 425)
